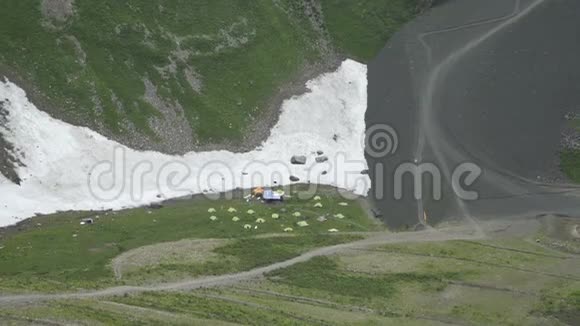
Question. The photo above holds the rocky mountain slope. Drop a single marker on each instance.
(176, 76)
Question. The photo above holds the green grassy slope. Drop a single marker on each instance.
(220, 60)
(127, 41)
(570, 164)
(507, 281)
(56, 252)
(360, 28)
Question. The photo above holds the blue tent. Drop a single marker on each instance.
(272, 196)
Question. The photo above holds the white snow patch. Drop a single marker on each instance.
(63, 164)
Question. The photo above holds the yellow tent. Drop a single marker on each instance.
(258, 192)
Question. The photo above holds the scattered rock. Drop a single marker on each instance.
(194, 79)
(319, 152)
(173, 131)
(156, 206)
(298, 159)
(321, 159)
(80, 53)
(324, 172)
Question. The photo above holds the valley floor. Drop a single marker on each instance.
(180, 267)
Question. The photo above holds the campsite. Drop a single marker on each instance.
(59, 253)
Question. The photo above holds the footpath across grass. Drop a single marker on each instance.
(52, 253)
(237, 256)
(510, 280)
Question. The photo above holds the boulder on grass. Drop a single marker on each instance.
(156, 206)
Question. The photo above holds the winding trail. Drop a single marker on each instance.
(423, 36)
(431, 134)
(430, 235)
(470, 83)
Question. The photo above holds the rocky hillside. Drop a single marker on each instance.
(178, 75)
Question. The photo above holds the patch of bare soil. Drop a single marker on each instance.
(561, 233)
(173, 128)
(183, 251)
(59, 10)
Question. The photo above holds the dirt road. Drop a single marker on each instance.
(464, 232)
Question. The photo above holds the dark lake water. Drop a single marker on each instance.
(480, 82)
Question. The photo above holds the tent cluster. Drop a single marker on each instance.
(265, 193)
(268, 195)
